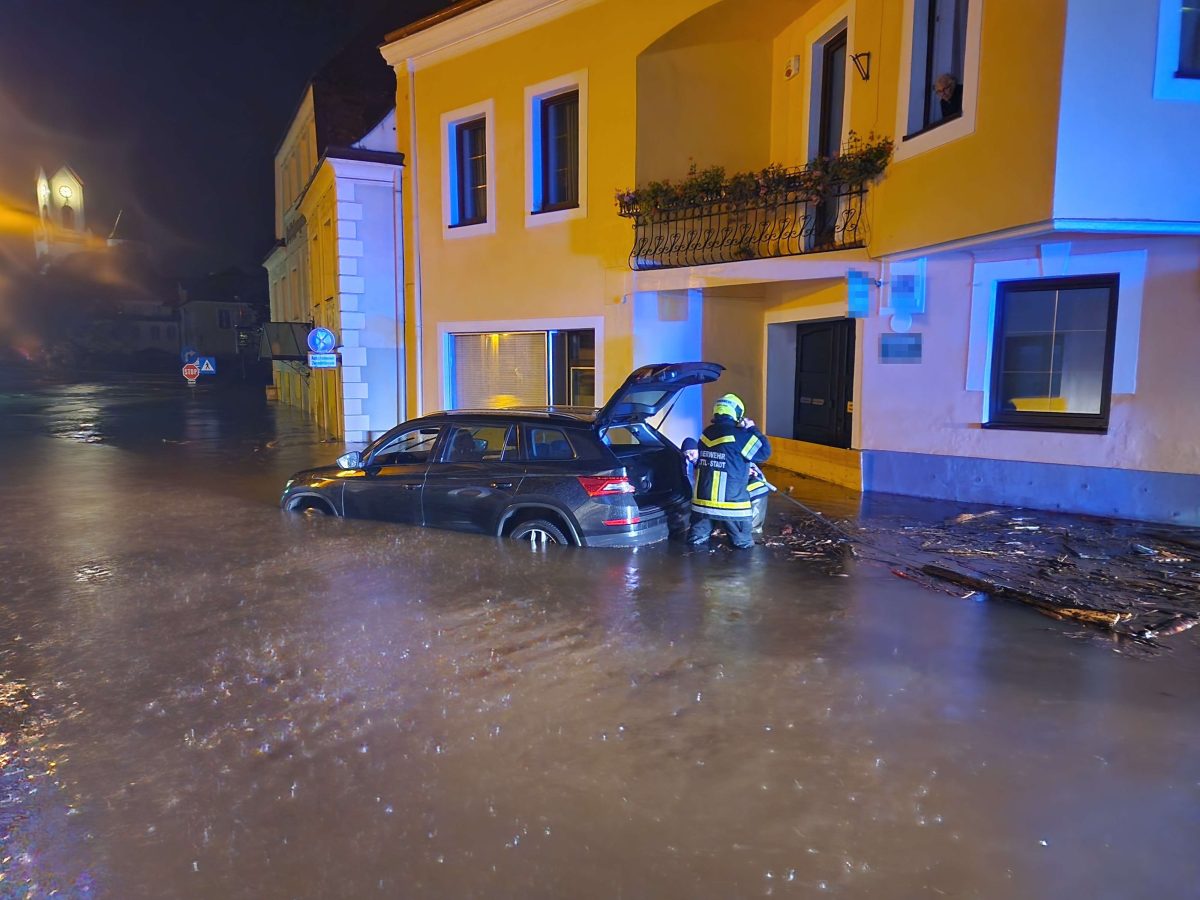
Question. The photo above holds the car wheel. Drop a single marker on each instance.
(539, 532)
(312, 509)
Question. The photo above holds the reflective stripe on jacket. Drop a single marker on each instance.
(723, 470)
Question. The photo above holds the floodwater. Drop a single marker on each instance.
(203, 696)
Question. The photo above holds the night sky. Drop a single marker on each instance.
(170, 110)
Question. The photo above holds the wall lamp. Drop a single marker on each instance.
(862, 62)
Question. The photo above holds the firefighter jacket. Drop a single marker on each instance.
(723, 471)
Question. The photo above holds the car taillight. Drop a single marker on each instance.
(630, 520)
(606, 485)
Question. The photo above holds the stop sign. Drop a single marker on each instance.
(191, 371)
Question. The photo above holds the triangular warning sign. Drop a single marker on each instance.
(208, 368)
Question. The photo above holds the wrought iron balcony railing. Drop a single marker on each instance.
(721, 230)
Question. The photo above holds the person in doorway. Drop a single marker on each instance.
(729, 446)
(950, 95)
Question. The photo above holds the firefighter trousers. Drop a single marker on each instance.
(740, 531)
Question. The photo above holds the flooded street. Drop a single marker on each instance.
(203, 697)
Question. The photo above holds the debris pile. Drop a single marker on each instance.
(1137, 580)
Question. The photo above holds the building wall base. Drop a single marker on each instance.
(832, 464)
(1122, 493)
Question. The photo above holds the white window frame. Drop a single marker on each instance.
(485, 110)
(1166, 60)
(446, 331)
(964, 125)
(535, 94)
(1057, 261)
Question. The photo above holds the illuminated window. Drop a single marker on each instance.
(1052, 360)
(470, 163)
(1189, 40)
(939, 42)
(558, 152)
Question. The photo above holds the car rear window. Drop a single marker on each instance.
(548, 444)
(630, 436)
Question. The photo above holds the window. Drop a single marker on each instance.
(1189, 40)
(1052, 360)
(939, 43)
(224, 320)
(155, 333)
(549, 444)
(407, 448)
(573, 367)
(556, 139)
(494, 370)
(469, 171)
(477, 443)
(499, 369)
(559, 161)
(634, 435)
(470, 154)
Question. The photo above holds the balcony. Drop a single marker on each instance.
(722, 231)
(708, 218)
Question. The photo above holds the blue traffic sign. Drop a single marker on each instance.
(322, 360)
(321, 340)
(207, 365)
(188, 354)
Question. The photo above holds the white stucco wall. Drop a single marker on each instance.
(667, 327)
(382, 137)
(936, 407)
(370, 286)
(1122, 153)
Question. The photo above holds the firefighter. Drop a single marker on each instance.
(728, 447)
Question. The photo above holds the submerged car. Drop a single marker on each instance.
(548, 475)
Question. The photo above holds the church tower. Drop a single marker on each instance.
(63, 228)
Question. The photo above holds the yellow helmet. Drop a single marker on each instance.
(730, 405)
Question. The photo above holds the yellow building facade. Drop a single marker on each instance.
(338, 263)
(869, 339)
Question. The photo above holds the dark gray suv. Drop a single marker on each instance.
(557, 475)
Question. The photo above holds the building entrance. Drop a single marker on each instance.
(824, 382)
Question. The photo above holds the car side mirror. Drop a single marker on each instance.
(351, 460)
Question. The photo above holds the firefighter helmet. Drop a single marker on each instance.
(730, 405)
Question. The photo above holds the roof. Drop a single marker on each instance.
(355, 87)
(437, 18)
(566, 415)
(360, 155)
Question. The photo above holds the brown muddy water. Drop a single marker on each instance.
(205, 697)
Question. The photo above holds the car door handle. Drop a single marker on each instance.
(502, 485)
(412, 487)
